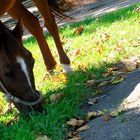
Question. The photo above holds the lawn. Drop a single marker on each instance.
(102, 42)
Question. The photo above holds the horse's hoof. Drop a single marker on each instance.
(67, 68)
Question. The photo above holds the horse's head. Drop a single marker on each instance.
(16, 71)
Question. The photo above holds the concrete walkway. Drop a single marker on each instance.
(125, 95)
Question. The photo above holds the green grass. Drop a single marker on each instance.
(122, 26)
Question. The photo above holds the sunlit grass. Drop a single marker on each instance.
(104, 41)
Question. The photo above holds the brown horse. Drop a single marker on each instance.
(17, 10)
(16, 71)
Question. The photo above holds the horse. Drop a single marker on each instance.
(16, 9)
(16, 71)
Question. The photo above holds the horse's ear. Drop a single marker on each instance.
(18, 30)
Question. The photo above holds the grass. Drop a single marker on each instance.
(104, 41)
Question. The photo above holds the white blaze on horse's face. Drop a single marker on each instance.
(22, 63)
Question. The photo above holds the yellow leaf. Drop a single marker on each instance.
(104, 83)
(79, 30)
(100, 47)
(75, 122)
(117, 80)
(91, 115)
(76, 52)
(83, 128)
(75, 138)
(98, 91)
(107, 36)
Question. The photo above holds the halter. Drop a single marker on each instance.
(10, 98)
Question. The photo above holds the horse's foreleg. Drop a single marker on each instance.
(53, 29)
(32, 24)
(5, 5)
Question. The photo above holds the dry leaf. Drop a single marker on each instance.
(115, 73)
(90, 83)
(107, 36)
(72, 134)
(113, 68)
(76, 52)
(75, 122)
(100, 47)
(98, 91)
(130, 66)
(93, 101)
(61, 78)
(82, 67)
(106, 74)
(79, 30)
(63, 40)
(83, 128)
(56, 97)
(119, 47)
(75, 138)
(117, 80)
(91, 115)
(42, 137)
(106, 118)
(104, 83)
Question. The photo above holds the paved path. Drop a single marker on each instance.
(125, 126)
(79, 13)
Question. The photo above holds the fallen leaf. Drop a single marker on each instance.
(56, 97)
(79, 30)
(72, 134)
(75, 138)
(117, 80)
(76, 52)
(83, 128)
(119, 47)
(115, 73)
(91, 115)
(100, 47)
(75, 122)
(63, 40)
(106, 118)
(93, 101)
(98, 91)
(106, 74)
(42, 137)
(90, 83)
(82, 67)
(104, 83)
(113, 68)
(107, 36)
(130, 66)
(60, 78)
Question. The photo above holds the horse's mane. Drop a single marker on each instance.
(7, 41)
(58, 7)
